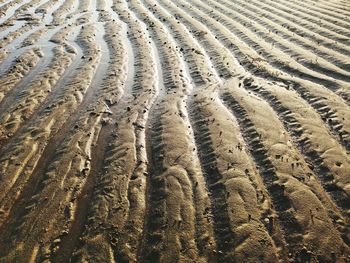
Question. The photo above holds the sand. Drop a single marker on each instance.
(174, 131)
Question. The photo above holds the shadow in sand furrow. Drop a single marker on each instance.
(184, 43)
(70, 238)
(166, 170)
(195, 58)
(102, 148)
(330, 14)
(294, 174)
(225, 237)
(121, 185)
(198, 31)
(130, 147)
(10, 8)
(290, 226)
(301, 29)
(37, 32)
(242, 55)
(218, 63)
(46, 210)
(270, 56)
(308, 21)
(65, 11)
(333, 12)
(172, 171)
(278, 27)
(43, 83)
(328, 115)
(320, 66)
(345, 96)
(71, 241)
(312, 156)
(20, 114)
(19, 69)
(295, 128)
(316, 18)
(156, 194)
(340, 8)
(213, 49)
(28, 156)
